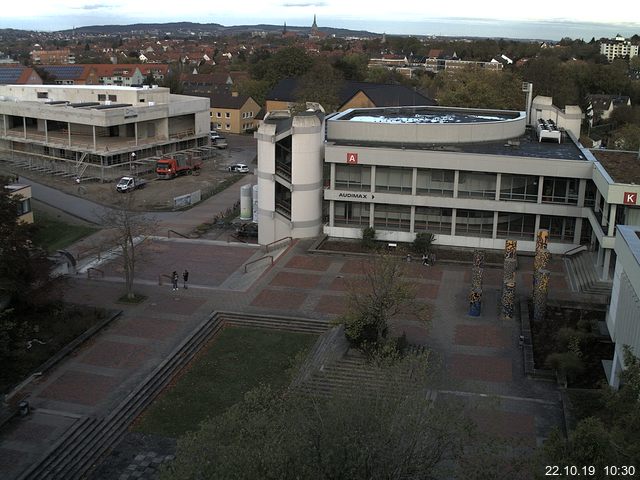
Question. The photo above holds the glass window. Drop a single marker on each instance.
(227, 115)
(351, 213)
(353, 177)
(435, 182)
(392, 217)
(392, 179)
(24, 206)
(113, 98)
(520, 188)
(560, 190)
(477, 185)
(433, 219)
(516, 225)
(474, 223)
(218, 114)
(560, 229)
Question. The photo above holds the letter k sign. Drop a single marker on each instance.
(630, 198)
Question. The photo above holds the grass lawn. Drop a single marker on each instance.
(54, 234)
(237, 360)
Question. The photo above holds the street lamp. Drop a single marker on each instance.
(132, 158)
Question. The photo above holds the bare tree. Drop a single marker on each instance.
(127, 229)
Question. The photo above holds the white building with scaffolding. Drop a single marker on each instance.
(98, 132)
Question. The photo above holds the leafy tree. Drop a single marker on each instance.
(383, 75)
(369, 237)
(322, 84)
(286, 62)
(353, 66)
(479, 88)
(362, 431)
(172, 81)
(625, 138)
(423, 242)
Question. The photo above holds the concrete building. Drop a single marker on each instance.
(618, 47)
(472, 177)
(92, 131)
(623, 316)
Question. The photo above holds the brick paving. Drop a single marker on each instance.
(80, 387)
(128, 355)
(279, 299)
(146, 327)
(295, 280)
(426, 290)
(480, 367)
(309, 262)
(175, 303)
(481, 336)
(332, 305)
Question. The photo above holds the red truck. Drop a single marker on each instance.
(180, 164)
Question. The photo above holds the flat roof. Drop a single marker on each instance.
(622, 167)
(526, 145)
(426, 115)
(87, 87)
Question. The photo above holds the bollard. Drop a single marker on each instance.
(23, 408)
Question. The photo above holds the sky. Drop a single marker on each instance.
(496, 18)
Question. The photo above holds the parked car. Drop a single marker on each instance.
(128, 184)
(218, 140)
(238, 168)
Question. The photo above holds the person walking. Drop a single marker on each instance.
(185, 277)
(425, 259)
(174, 280)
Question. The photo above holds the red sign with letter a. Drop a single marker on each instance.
(630, 198)
(352, 158)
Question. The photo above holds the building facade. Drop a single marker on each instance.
(92, 131)
(623, 315)
(472, 177)
(22, 193)
(233, 113)
(618, 47)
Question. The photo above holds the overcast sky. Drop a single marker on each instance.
(421, 17)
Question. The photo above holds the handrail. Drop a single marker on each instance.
(266, 247)
(257, 260)
(90, 269)
(163, 275)
(177, 233)
(573, 250)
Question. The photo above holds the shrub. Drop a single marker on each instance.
(369, 237)
(423, 242)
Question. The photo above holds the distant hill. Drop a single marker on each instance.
(188, 28)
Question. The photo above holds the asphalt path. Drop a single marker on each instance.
(77, 206)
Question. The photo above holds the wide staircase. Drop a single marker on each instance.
(583, 277)
(80, 449)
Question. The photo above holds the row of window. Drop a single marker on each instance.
(437, 182)
(469, 223)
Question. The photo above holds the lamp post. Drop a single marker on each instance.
(132, 158)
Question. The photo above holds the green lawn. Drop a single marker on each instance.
(53, 234)
(238, 360)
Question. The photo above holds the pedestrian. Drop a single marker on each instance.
(432, 259)
(174, 280)
(185, 277)
(408, 258)
(425, 259)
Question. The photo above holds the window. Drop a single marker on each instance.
(227, 115)
(560, 229)
(477, 185)
(43, 94)
(228, 126)
(435, 182)
(218, 114)
(392, 179)
(350, 213)
(520, 188)
(353, 177)
(474, 223)
(392, 217)
(113, 98)
(432, 219)
(516, 225)
(560, 190)
(24, 206)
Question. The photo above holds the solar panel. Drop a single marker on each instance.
(10, 74)
(64, 72)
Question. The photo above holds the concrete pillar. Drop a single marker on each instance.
(46, 131)
(605, 215)
(373, 181)
(69, 132)
(4, 121)
(135, 129)
(582, 190)
(577, 233)
(536, 225)
(93, 131)
(332, 212)
(453, 221)
(498, 187)
(332, 179)
(24, 127)
(372, 207)
(613, 208)
(605, 265)
(540, 188)
(456, 179)
(596, 207)
(412, 221)
(494, 232)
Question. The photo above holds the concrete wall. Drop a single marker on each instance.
(570, 118)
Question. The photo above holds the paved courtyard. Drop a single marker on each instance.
(479, 357)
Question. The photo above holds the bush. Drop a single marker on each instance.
(369, 237)
(423, 242)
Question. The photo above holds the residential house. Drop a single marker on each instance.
(600, 107)
(233, 113)
(618, 47)
(52, 57)
(23, 194)
(16, 74)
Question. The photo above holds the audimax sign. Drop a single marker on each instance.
(363, 196)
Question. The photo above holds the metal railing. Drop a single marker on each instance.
(257, 260)
(571, 251)
(177, 233)
(268, 245)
